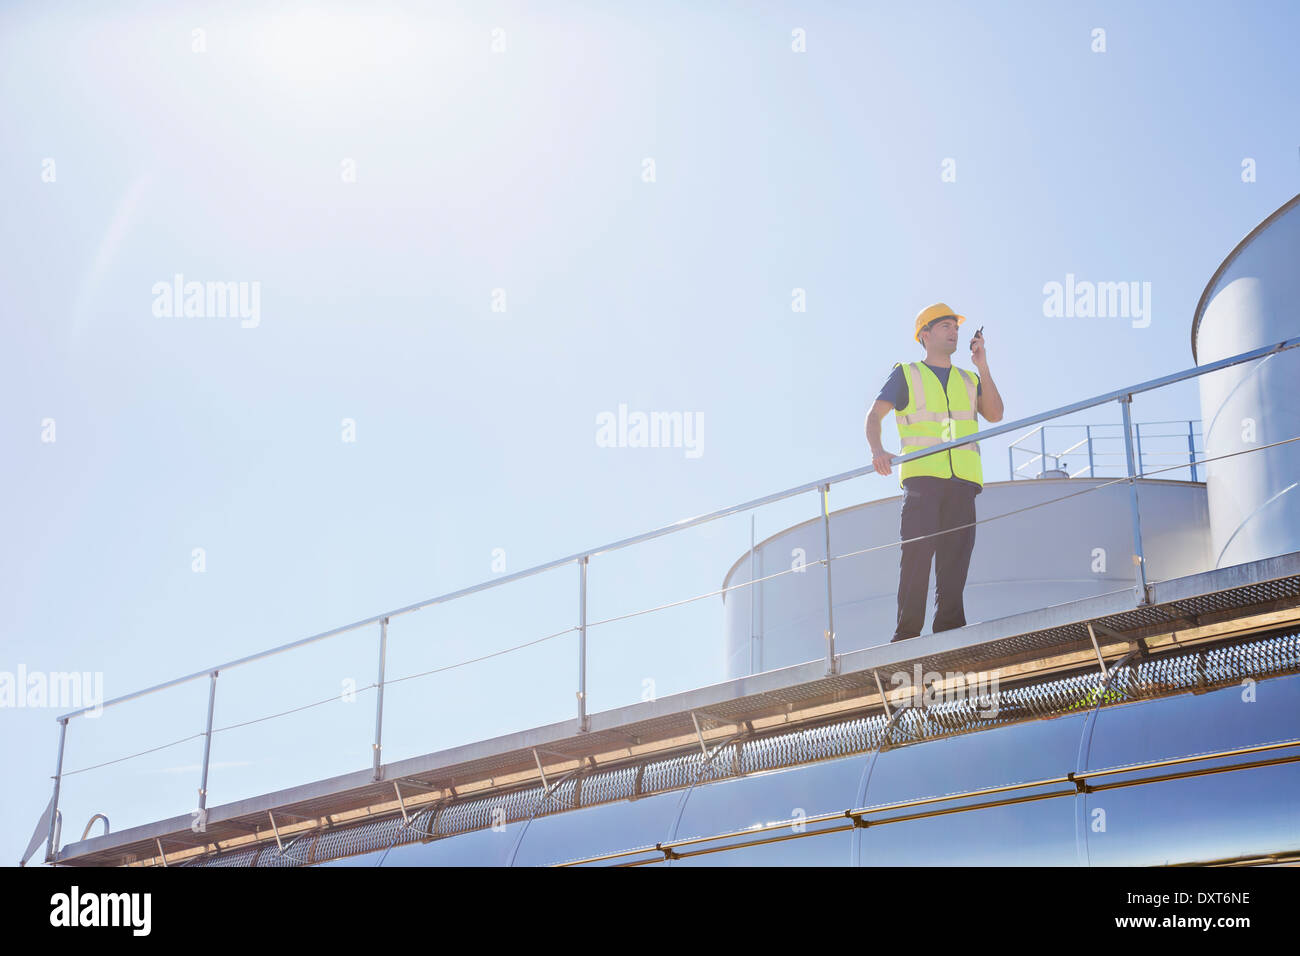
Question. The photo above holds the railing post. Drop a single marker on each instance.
(1143, 596)
(1087, 430)
(207, 751)
(582, 645)
(1191, 448)
(755, 642)
(379, 700)
(1042, 449)
(832, 663)
(58, 779)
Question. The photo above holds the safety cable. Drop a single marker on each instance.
(475, 660)
(69, 773)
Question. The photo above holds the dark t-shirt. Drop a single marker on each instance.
(896, 393)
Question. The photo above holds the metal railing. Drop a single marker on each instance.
(821, 486)
(1182, 442)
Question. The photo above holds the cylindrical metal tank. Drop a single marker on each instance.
(1253, 300)
(1063, 550)
(1193, 775)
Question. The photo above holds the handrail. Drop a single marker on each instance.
(685, 523)
(1092, 439)
(1171, 421)
(1123, 395)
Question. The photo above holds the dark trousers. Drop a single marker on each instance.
(931, 505)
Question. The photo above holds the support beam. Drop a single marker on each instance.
(883, 698)
(400, 802)
(276, 830)
(540, 770)
(1092, 635)
(699, 735)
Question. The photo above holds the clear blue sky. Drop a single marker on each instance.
(522, 170)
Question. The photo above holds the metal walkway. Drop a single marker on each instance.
(1022, 645)
(1187, 611)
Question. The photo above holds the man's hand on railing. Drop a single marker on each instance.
(880, 459)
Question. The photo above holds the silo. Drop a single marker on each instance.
(1171, 737)
(1054, 545)
(1253, 300)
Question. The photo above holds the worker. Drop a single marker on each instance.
(935, 402)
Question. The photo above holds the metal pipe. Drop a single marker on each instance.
(685, 523)
(925, 801)
(1203, 772)
(58, 779)
(582, 645)
(207, 748)
(91, 822)
(750, 831)
(614, 856)
(989, 804)
(1144, 596)
(1193, 758)
(670, 853)
(832, 662)
(825, 817)
(1191, 449)
(379, 700)
(1092, 473)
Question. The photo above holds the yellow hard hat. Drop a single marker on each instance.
(932, 312)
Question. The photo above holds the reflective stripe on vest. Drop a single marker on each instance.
(935, 416)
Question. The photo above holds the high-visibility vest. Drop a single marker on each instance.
(935, 416)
